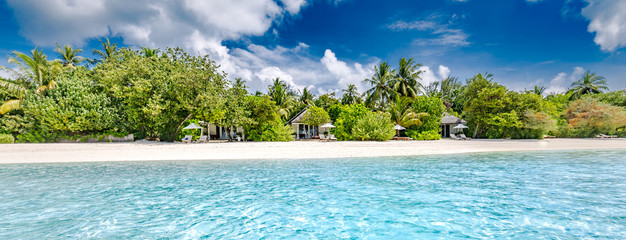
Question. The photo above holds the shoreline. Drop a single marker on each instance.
(162, 151)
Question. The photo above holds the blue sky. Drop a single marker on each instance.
(327, 44)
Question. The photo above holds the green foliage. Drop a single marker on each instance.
(351, 95)
(426, 135)
(278, 133)
(589, 83)
(7, 138)
(588, 117)
(334, 111)
(157, 94)
(382, 90)
(405, 83)
(315, 116)
(74, 106)
(534, 125)
(347, 119)
(616, 98)
(266, 123)
(326, 100)
(432, 106)
(283, 97)
(375, 126)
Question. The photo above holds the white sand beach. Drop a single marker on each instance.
(150, 151)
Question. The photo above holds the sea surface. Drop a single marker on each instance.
(523, 195)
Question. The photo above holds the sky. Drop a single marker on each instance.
(325, 45)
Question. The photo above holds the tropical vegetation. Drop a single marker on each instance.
(153, 93)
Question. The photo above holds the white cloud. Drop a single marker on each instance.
(198, 26)
(444, 71)
(561, 82)
(442, 34)
(608, 21)
(268, 74)
(293, 6)
(346, 74)
(428, 76)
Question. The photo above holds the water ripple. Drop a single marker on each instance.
(539, 195)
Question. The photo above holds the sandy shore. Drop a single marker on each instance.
(144, 151)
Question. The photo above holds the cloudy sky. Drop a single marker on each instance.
(327, 44)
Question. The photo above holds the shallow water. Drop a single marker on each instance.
(538, 195)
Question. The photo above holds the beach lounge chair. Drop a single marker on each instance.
(462, 135)
(202, 139)
(453, 136)
(605, 136)
(332, 137)
(186, 139)
(322, 136)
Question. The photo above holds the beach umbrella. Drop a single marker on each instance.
(193, 126)
(460, 126)
(327, 125)
(398, 128)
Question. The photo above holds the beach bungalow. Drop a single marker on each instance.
(302, 130)
(221, 133)
(448, 122)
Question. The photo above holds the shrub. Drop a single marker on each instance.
(587, 117)
(374, 126)
(434, 107)
(426, 135)
(7, 138)
(279, 133)
(266, 124)
(347, 119)
(73, 106)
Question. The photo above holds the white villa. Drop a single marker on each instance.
(302, 130)
(448, 122)
(219, 132)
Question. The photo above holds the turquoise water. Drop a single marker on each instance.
(538, 195)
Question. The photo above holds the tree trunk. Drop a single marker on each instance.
(179, 125)
(476, 130)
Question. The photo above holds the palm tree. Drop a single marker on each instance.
(149, 52)
(403, 115)
(35, 69)
(539, 90)
(280, 94)
(589, 83)
(307, 97)
(381, 89)
(450, 87)
(351, 95)
(108, 49)
(406, 79)
(69, 56)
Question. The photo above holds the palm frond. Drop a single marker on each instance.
(10, 105)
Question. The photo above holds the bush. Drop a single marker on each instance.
(374, 126)
(426, 135)
(266, 124)
(588, 117)
(7, 138)
(279, 133)
(347, 119)
(535, 125)
(73, 106)
(434, 107)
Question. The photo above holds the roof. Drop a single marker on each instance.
(450, 119)
(298, 117)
